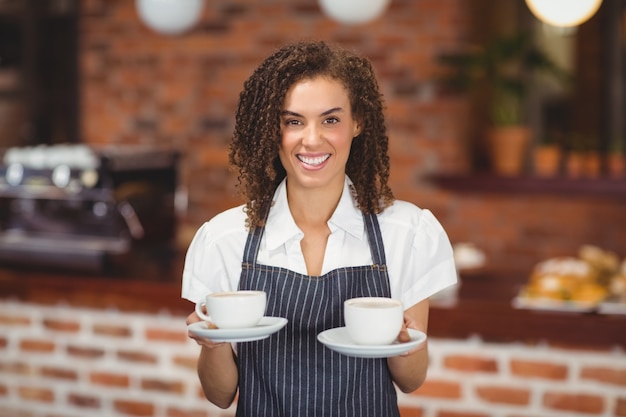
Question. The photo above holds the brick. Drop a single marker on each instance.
(503, 395)
(18, 368)
(36, 345)
(439, 389)
(69, 326)
(579, 403)
(606, 375)
(84, 352)
(538, 369)
(470, 363)
(174, 387)
(136, 356)
(4, 391)
(44, 395)
(163, 335)
(134, 408)
(109, 379)
(187, 362)
(576, 347)
(14, 320)
(112, 330)
(83, 400)
(620, 407)
(3, 342)
(406, 411)
(446, 413)
(179, 412)
(59, 373)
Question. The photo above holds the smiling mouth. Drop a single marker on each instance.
(313, 161)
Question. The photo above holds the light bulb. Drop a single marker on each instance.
(170, 17)
(563, 13)
(354, 11)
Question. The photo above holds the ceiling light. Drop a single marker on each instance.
(170, 17)
(354, 11)
(563, 13)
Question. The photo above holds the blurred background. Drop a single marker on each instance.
(115, 119)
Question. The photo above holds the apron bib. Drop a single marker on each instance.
(291, 374)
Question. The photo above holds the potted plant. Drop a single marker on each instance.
(584, 157)
(616, 160)
(502, 72)
(575, 161)
(547, 157)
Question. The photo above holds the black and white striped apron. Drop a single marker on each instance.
(291, 374)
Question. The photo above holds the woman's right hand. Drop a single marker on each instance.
(217, 368)
(202, 341)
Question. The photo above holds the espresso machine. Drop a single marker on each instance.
(85, 208)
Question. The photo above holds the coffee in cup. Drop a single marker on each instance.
(233, 309)
(373, 320)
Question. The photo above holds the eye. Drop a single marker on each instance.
(331, 120)
(292, 122)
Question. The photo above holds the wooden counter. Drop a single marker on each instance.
(483, 308)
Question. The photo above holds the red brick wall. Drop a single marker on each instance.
(72, 362)
(142, 87)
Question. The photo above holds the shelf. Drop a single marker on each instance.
(483, 183)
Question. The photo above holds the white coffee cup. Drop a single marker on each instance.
(373, 320)
(233, 309)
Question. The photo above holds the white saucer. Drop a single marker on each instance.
(338, 340)
(266, 327)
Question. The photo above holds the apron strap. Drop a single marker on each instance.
(253, 243)
(376, 239)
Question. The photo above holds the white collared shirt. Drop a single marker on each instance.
(419, 254)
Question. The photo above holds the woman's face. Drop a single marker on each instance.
(317, 129)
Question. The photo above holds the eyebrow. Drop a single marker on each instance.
(294, 114)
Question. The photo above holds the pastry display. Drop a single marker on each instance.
(617, 284)
(604, 263)
(579, 283)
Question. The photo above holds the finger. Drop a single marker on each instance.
(192, 318)
(404, 336)
(208, 343)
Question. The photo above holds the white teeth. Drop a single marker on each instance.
(313, 161)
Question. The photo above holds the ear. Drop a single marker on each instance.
(357, 129)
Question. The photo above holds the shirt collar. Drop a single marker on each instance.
(280, 226)
(347, 215)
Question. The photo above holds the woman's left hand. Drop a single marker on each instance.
(405, 337)
(409, 369)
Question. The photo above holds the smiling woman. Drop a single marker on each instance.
(320, 226)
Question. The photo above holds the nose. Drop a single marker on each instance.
(312, 135)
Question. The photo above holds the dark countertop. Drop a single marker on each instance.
(483, 307)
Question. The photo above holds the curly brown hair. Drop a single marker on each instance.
(256, 138)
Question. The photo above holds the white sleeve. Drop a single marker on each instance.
(213, 259)
(428, 264)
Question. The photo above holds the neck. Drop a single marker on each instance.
(313, 206)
